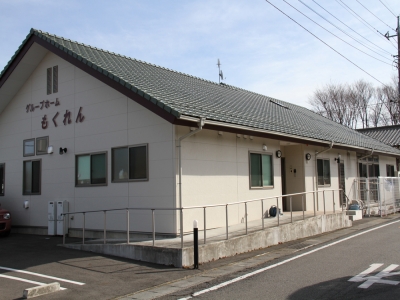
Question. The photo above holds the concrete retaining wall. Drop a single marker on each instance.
(216, 250)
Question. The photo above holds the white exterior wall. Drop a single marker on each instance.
(111, 120)
(216, 170)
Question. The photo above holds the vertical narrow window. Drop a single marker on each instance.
(261, 170)
(324, 172)
(55, 79)
(91, 169)
(29, 147)
(130, 163)
(49, 79)
(32, 177)
(2, 179)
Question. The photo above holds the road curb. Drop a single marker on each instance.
(41, 290)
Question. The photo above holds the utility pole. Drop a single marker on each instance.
(398, 55)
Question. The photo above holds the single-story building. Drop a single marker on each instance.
(104, 131)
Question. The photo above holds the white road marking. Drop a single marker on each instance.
(42, 275)
(26, 280)
(218, 286)
(370, 280)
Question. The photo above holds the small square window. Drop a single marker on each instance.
(29, 147)
(41, 145)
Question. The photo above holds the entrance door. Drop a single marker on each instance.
(283, 179)
(342, 184)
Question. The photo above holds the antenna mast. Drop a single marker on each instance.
(220, 74)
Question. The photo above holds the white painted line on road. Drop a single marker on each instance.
(41, 275)
(370, 280)
(218, 286)
(26, 280)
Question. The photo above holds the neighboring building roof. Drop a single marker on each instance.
(389, 135)
(183, 99)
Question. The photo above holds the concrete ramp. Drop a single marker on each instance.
(168, 252)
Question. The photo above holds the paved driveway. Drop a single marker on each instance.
(30, 260)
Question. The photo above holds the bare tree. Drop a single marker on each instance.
(358, 104)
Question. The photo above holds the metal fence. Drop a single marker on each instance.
(317, 196)
(378, 195)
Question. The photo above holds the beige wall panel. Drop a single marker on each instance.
(161, 151)
(143, 118)
(149, 134)
(97, 95)
(161, 168)
(155, 187)
(87, 83)
(113, 107)
(14, 128)
(102, 126)
(96, 142)
(150, 201)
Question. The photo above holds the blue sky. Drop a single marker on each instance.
(260, 49)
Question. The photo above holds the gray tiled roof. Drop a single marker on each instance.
(389, 135)
(184, 95)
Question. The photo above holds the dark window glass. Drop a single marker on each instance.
(120, 162)
(98, 171)
(55, 79)
(390, 171)
(255, 169)
(2, 174)
(324, 172)
(32, 177)
(138, 162)
(41, 145)
(49, 79)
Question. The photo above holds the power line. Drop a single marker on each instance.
(327, 44)
(374, 15)
(351, 28)
(339, 37)
(387, 8)
(361, 19)
(342, 30)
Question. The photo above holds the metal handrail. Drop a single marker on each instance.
(204, 207)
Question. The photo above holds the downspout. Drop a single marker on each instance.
(372, 152)
(316, 173)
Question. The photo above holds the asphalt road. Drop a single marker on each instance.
(365, 266)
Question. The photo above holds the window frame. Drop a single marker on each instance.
(264, 187)
(330, 174)
(24, 177)
(76, 169)
(34, 147)
(2, 190)
(128, 179)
